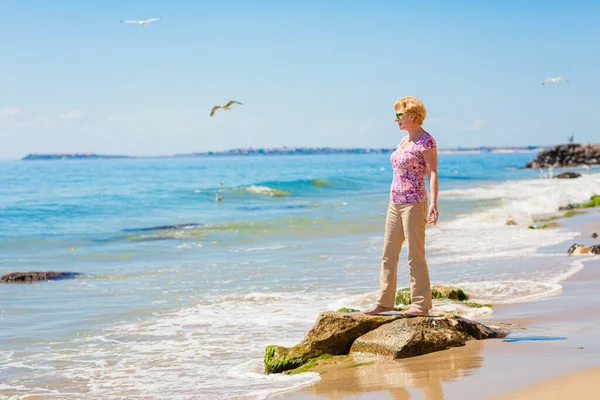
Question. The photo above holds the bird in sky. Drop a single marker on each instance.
(555, 80)
(144, 22)
(224, 106)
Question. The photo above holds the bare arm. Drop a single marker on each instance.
(431, 161)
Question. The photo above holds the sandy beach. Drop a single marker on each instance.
(555, 353)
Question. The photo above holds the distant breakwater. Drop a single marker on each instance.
(272, 151)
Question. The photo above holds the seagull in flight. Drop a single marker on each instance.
(144, 22)
(224, 106)
(555, 80)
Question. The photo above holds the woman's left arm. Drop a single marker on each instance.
(431, 161)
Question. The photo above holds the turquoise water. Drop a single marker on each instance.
(181, 292)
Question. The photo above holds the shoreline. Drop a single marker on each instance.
(557, 348)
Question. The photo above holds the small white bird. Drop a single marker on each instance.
(144, 22)
(224, 106)
(555, 80)
(218, 197)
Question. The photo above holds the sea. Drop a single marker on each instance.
(190, 267)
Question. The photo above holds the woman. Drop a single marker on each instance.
(415, 157)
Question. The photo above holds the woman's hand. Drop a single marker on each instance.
(432, 216)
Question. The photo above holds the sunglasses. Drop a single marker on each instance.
(398, 115)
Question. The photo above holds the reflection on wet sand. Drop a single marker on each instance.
(395, 377)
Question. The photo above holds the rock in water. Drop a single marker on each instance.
(19, 277)
(422, 335)
(333, 333)
(340, 333)
(594, 235)
(577, 249)
(567, 175)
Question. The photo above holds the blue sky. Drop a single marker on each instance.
(310, 73)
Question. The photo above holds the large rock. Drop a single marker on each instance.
(567, 155)
(396, 335)
(20, 277)
(422, 335)
(333, 333)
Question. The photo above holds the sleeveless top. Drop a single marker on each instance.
(408, 185)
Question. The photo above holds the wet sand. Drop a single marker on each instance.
(556, 355)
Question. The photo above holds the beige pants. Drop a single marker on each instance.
(405, 222)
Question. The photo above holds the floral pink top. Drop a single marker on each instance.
(408, 186)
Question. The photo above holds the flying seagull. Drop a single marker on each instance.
(555, 80)
(144, 22)
(224, 106)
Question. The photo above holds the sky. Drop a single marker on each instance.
(309, 73)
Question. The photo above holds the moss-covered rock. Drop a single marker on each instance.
(333, 333)
(339, 333)
(448, 292)
(437, 292)
(310, 365)
(549, 219)
(403, 297)
(279, 358)
(572, 213)
(544, 226)
(346, 309)
(593, 202)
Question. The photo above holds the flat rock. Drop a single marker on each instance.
(412, 337)
(24, 277)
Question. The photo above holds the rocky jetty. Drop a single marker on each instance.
(567, 155)
(25, 277)
(390, 334)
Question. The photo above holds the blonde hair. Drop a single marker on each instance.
(412, 106)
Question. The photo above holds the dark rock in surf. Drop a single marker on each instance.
(24, 277)
(567, 175)
(161, 228)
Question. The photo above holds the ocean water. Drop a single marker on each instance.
(181, 293)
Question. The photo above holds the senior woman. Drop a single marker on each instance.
(408, 211)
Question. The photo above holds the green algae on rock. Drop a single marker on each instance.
(437, 292)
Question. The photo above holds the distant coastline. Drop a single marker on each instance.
(279, 151)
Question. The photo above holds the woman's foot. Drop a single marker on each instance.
(416, 312)
(377, 310)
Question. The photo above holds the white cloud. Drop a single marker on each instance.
(9, 112)
(72, 115)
